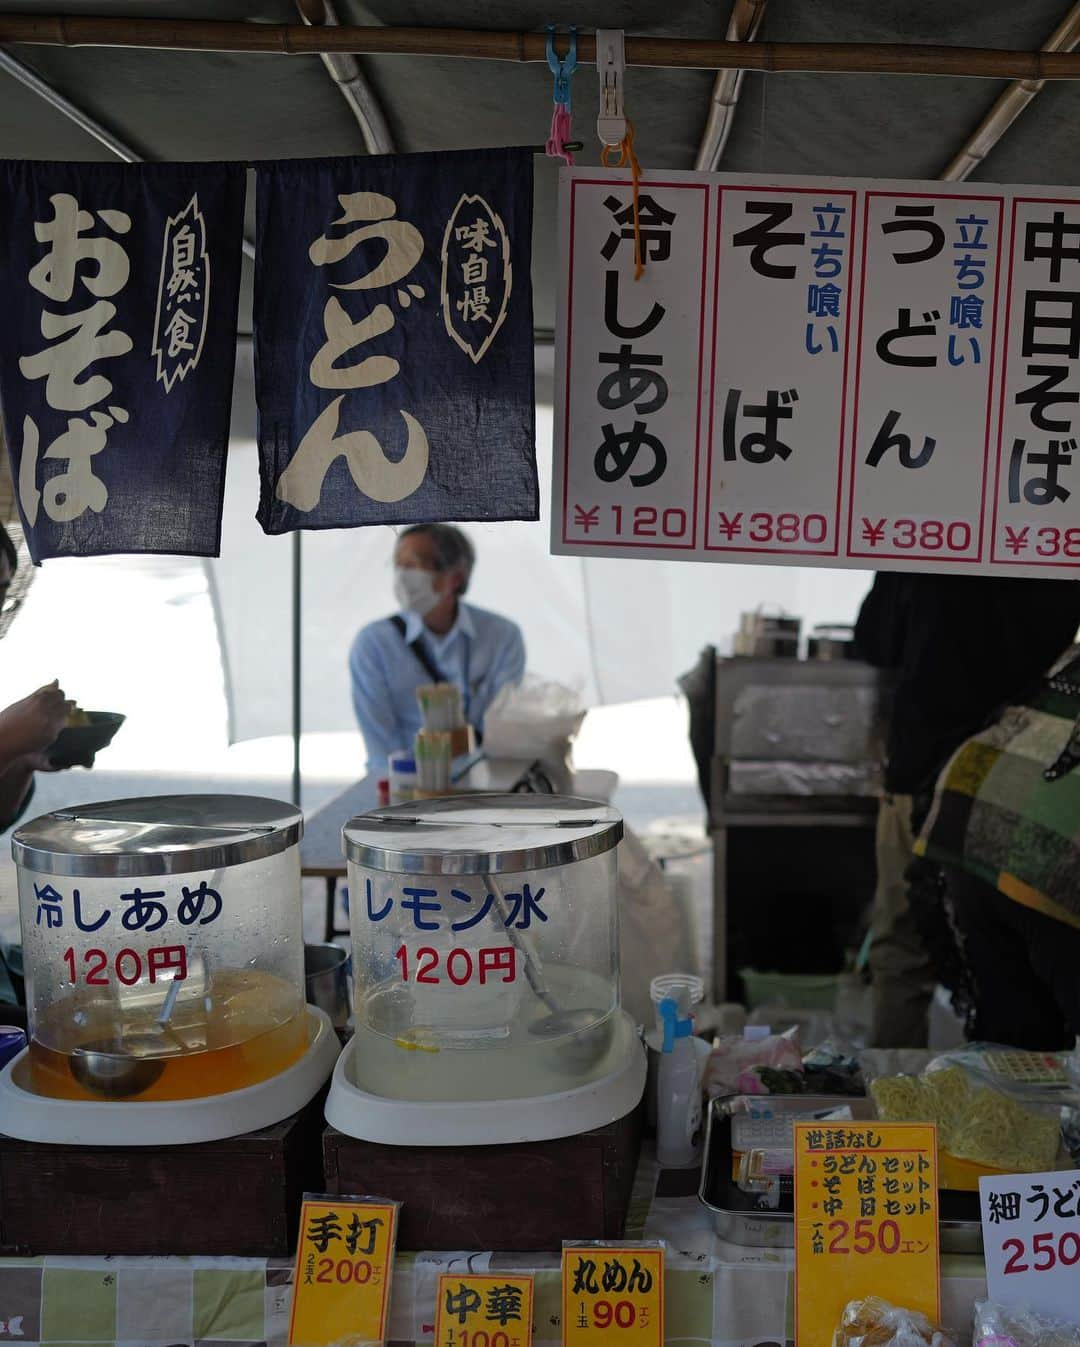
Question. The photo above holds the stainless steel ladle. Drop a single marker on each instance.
(114, 1069)
(591, 1028)
(129, 1064)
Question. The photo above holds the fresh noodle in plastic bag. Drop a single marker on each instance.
(900, 1099)
(997, 1325)
(975, 1122)
(954, 1099)
(876, 1323)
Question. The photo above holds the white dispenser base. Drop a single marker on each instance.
(172, 1122)
(490, 1122)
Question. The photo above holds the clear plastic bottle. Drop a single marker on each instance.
(682, 1062)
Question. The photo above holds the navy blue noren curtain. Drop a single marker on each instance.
(119, 295)
(394, 340)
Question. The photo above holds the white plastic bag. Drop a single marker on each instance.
(535, 720)
(652, 930)
(994, 1325)
(652, 934)
(875, 1323)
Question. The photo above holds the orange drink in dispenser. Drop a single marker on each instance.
(162, 947)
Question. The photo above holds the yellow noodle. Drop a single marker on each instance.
(974, 1123)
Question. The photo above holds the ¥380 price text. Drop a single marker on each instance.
(1021, 539)
(761, 527)
(916, 535)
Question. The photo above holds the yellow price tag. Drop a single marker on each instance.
(484, 1311)
(866, 1221)
(344, 1261)
(612, 1295)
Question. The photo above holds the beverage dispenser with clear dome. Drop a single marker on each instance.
(485, 959)
(164, 962)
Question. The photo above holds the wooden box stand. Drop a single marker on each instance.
(522, 1197)
(237, 1197)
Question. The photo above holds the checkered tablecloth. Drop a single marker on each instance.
(716, 1293)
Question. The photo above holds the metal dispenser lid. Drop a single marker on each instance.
(157, 835)
(482, 834)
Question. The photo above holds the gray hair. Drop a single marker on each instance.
(453, 548)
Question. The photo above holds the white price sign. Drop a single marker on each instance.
(818, 371)
(1031, 1235)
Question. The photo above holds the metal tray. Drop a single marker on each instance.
(738, 1218)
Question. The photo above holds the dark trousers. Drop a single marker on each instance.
(1024, 968)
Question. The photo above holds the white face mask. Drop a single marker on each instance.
(414, 590)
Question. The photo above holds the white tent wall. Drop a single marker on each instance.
(347, 582)
(251, 587)
(618, 630)
(137, 634)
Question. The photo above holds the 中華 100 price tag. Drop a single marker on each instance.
(484, 1311)
(613, 1293)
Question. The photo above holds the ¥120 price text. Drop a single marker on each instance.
(94, 968)
(639, 521)
(460, 966)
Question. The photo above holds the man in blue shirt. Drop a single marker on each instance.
(444, 639)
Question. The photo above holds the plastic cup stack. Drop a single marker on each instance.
(433, 757)
(441, 706)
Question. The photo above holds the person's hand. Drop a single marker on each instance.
(30, 726)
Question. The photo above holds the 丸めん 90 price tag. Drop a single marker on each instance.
(484, 1311)
(1031, 1235)
(866, 1221)
(344, 1260)
(613, 1293)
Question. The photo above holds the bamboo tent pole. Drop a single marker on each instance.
(1010, 104)
(219, 35)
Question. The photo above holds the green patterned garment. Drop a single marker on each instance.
(1007, 806)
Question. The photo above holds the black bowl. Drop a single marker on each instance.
(77, 744)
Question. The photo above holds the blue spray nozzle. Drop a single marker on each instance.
(674, 1027)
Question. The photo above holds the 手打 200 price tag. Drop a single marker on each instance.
(484, 1311)
(344, 1262)
(613, 1294)
(1031, 1236)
